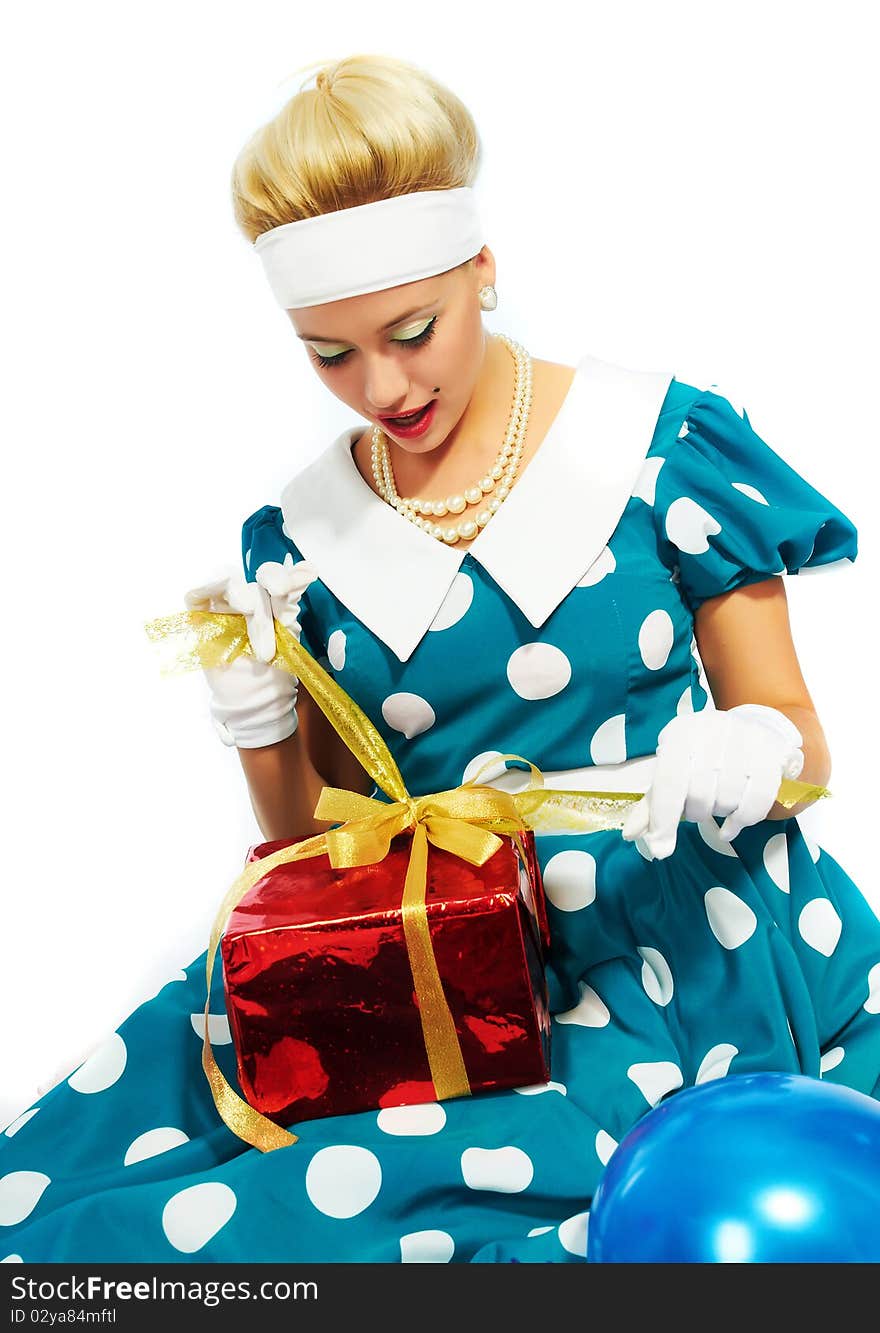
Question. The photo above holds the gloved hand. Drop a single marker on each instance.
(253, 703)
(727, 762)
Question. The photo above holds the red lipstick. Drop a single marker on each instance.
(412, 424)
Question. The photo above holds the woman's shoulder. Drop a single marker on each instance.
(691, 412)
(559, 372)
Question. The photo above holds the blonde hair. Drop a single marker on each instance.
(372, 127)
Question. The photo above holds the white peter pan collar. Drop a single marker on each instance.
(553, 525)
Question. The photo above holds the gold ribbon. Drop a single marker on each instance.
(467, 821)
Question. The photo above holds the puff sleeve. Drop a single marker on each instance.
(729, 511)
(263, 538)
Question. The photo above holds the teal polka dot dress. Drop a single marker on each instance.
(565, 634)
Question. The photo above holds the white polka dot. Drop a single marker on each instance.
(656, 976)
(716, 1062)
(103, 1068)
(538, 670)
(655, 1078)
(343, 1180)
(424, 1119)
(812, 847)
(192, 1216)
(570, 880)
(608, 745)
(409, 713)
(247, 559)
(685, 703)
(22, 1120)
(748, 490)
(711, 835)
(504, 1170)
(63, 1070)
(831, 1059)
(689, 525)
(538, 1231)
(573, 1234)
(20, 1192)
(606, 1146)
(732, 921)
(589, 1012)
(455, 604)
(776, 861)
(534, 1088)
(426, 1247)
(656, 637)
(496, 775)
(153, 1142)
(646, 485)
(872, 1004)
(218, 1028)
(12, 1259)
(820, 926)
(602, 565)
(472, 769)
(336, 649)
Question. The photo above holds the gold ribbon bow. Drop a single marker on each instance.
(467, 821)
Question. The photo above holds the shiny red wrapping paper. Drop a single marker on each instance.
(319, 990)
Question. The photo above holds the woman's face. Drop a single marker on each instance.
(387, 353)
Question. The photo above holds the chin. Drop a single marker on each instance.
(418, 446)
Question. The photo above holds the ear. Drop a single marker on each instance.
(484, 268)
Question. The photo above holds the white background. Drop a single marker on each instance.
(682, 186)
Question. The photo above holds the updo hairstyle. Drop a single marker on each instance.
(371, 127)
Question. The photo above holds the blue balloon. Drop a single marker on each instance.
(752, 1168)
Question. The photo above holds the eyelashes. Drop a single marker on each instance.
(328, 361)
(418, 341)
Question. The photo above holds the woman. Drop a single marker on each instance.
(524, 566)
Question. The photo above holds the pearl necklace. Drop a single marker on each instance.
(501, 476)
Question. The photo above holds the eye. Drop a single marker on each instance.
(328, 361)
(425, 334)
(426, 329)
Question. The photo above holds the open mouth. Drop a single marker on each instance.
(409, 418)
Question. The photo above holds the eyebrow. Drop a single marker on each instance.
(316, 338)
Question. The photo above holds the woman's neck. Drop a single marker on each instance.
(471, 449)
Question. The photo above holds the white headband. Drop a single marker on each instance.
(371, 247)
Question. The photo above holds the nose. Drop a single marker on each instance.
(386, 385)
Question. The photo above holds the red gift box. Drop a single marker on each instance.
(319, 987)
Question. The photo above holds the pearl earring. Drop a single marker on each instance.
(488, 298)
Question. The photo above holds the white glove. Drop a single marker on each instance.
(253, 703)
(727, 762)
